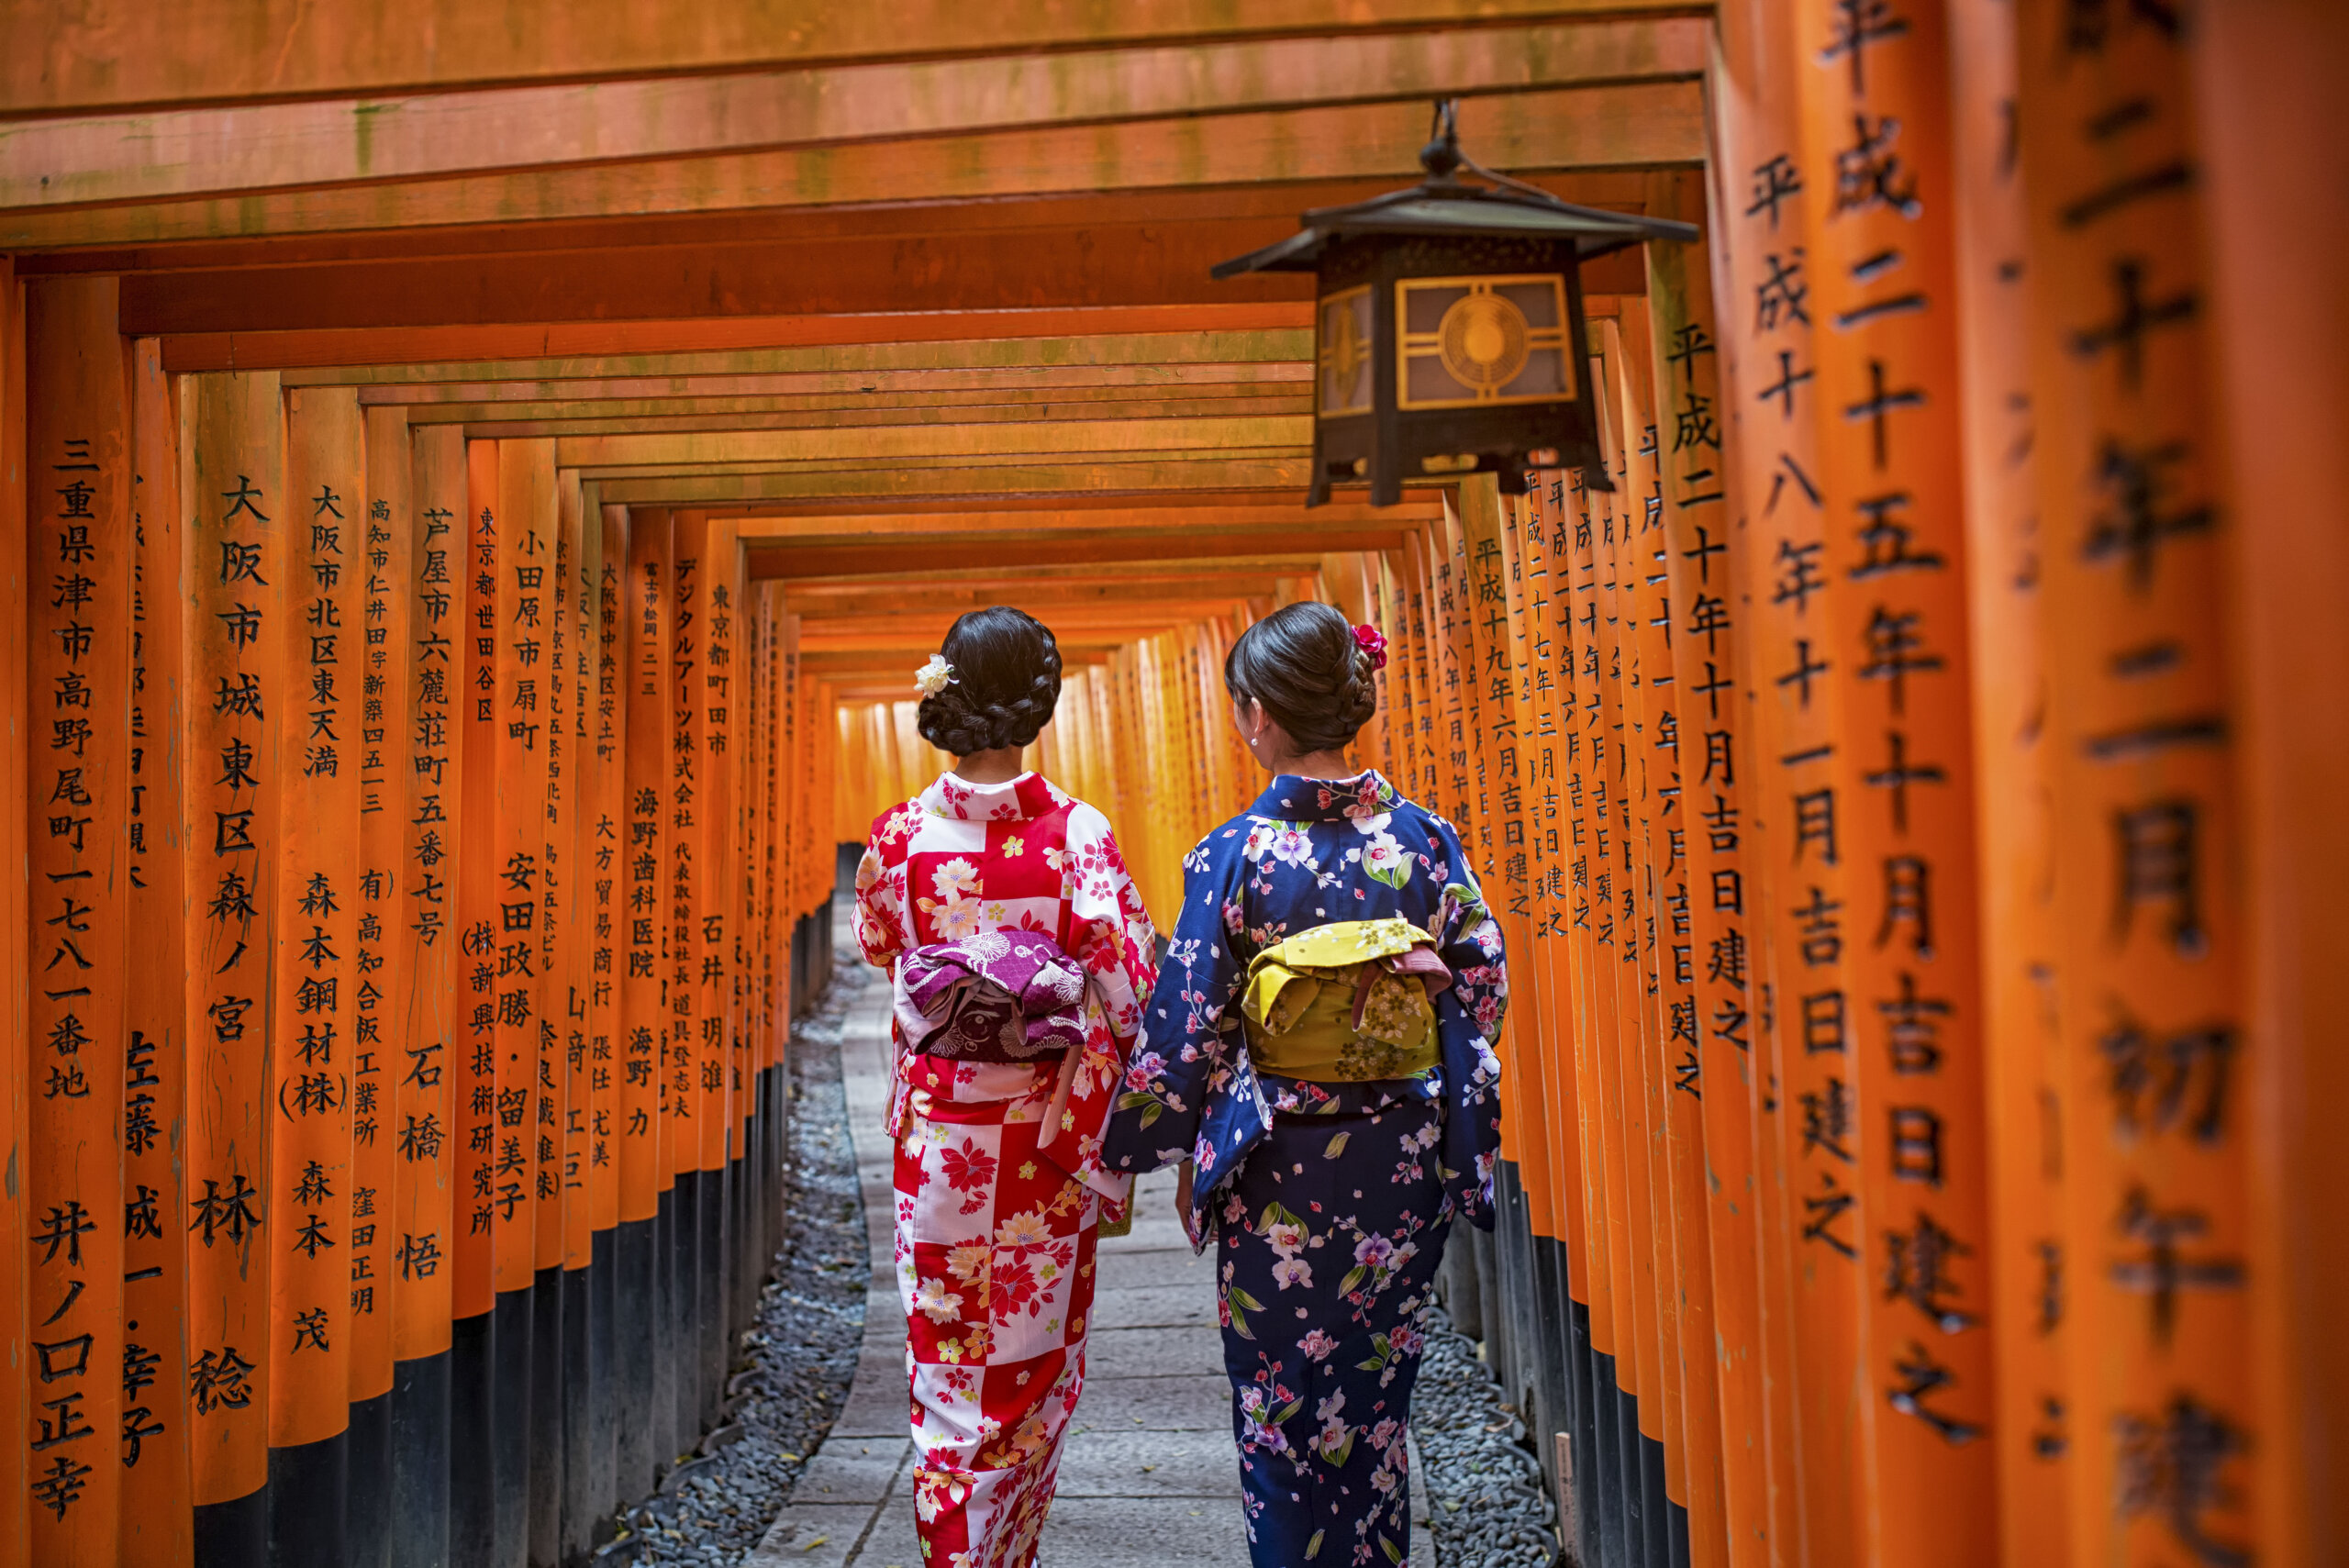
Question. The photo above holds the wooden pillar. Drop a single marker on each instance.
(2025, 1077)
(2267, 74)
(427, 1011)
(648, 1176)
(232, 456)
(157, 1521)
(1875, 157)
(16, 1501)
(382, 660)
(2163, 1435)
(1809, 1276)
(1725, 1065)
(79, 562)
(313, 1069)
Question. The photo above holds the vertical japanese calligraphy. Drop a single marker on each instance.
(78, 565)
(232, 491)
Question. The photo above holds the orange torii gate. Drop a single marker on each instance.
(464, 596)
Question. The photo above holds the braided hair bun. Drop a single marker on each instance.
(1007, 682)
(1302, 664)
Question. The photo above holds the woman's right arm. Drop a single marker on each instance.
(1178, 1061)
(880, 920)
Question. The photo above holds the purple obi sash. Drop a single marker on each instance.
(1010, 996)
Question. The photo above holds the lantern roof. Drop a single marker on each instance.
(1445, 205)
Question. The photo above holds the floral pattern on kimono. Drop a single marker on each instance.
(997, 1213)
(1328, 1202)
(1309, 852)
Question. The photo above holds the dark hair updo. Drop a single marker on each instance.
(1302, 664)
(1006, 681)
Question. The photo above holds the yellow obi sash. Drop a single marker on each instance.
(1346, 1003)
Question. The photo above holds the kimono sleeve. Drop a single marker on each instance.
(1468, 1020)
(880, 889)
(1111, 935)
(1183, 1050)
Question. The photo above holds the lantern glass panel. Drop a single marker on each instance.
(1343, 348)
(1479, 341)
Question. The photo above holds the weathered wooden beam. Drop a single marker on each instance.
(930, 486)
(1013, 569)
(1104, 550)
(1265, 522)
(850, 389)
(116, 158)
(857, 407)
(119, 53)
(1125, 336)
(862, 606)
(887, 443)
(1626, 125)
(490, 422)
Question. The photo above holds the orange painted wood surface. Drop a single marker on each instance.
(433, 1039)
(232, 458)
(79, 561)
(645, 1168)
(157, 1527)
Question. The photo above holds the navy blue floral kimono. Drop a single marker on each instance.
(1329, 1202)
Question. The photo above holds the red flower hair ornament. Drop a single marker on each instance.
(1372, 642)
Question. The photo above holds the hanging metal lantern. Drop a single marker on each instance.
(1448, 329)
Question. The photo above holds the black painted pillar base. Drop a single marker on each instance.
(1586, 1431)
(659, 1344)
(420, 1461)
(713, 1305)
(586, 1395)
(546, 1334)
(510, 1374)
(369, 1507)
(308, 1511)
(1616, 1484)
(685, 1312)
(1656, 1507)
(234, 1534)
(473, 1425)
(633, 1333)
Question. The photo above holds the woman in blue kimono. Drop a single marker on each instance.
(1317, 1052)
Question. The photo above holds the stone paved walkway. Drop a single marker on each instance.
(1148, 1476)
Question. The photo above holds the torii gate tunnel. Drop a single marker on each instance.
(477, 476)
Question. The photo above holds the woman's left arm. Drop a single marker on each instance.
(1468, 1020)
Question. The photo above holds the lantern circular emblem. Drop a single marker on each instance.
(1483, 341)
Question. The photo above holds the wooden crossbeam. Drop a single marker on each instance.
(1251, 518)
(119, 159)
(847, 408)
(103, 54)
(789, 562)
(964, 338)
(934, 484)
(909, 416)
(1626, 125)
(943, 387)
(1124, 339)
(888, 443)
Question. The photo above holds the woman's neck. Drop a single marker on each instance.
(1319, 765)
(1000, 765)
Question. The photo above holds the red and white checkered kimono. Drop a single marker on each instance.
(994, 1234)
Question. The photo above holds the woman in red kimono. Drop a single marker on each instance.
(1021, 957)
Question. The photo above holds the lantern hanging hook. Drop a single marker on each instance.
(1443, 158)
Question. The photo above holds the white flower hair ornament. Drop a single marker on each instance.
(934, 677)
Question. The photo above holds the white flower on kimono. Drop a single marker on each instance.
(937, 1303)
(956, 918)
(1259, 839)
(969, 1262)
(1290, 846)
(1023, 1230)
(1327, 1411)
(1317, 1345)
(1286, 1237)
(1382, 860)
(1287, 1272)
(956, 878)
